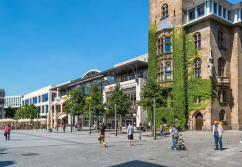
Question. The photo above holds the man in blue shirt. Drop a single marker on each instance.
(130, 134)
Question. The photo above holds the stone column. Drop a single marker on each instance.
(48, 122)
(55, 117)
(51, 118)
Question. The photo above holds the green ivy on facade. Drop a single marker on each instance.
(182, 94)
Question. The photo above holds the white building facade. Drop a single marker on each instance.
(131, 83)
(42, 99)
(13, 101)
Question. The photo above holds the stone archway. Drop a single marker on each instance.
(199, 122)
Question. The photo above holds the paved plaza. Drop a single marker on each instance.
(79, 149)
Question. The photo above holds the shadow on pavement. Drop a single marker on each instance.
(6, 163)
(138, 164)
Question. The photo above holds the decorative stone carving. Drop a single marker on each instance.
(211, 65)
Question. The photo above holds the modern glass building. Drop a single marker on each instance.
(13, 101)
(131, 75)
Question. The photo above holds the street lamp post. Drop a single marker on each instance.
(90, 130)
(71, 121)
(154, 114)
(115, 110)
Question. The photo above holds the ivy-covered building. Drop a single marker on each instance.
(195, 53)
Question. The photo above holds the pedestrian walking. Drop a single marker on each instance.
(7, 132)
(64, 128)
(174, 136)
(130, 134)
(140, 134)
(217, 134)
(102, 136)
(161, 130)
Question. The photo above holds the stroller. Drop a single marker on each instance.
(179, 144)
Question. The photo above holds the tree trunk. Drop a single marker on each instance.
(97, 123)
(120, 123)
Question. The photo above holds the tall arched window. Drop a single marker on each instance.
(197, 68)
(160, 46)
(221, 66)
(197, 40)
(160, 73)
(164, 10)
(168, 72)
(168, 44)
(222, 115)
(220, 39)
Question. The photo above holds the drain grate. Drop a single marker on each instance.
(29, 154)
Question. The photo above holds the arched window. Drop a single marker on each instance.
(160, 46)
(197, 68)
(160, 73)
(197, 40)
(168, 72)
(168, 44)
(221, 66)
(222, 115)
(164, 10)
(220, 39)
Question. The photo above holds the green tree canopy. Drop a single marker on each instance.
(96, 101)
(151, 90)
(10, 112)
(119, 98)
(27, 111)
(75, 103)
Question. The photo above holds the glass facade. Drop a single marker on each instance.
(45, 97)
(46, 108)
(35, 100)
(12, 101)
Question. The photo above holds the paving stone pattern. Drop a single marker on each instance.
(79, 149)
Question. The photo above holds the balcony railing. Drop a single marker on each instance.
(223, 80)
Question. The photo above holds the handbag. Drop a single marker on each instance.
(5, 133)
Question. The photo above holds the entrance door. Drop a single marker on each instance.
(199, 122)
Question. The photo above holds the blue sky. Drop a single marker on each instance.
(47, 42)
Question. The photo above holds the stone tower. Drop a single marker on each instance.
(212, 47)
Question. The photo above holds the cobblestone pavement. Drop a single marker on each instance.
(38, 148)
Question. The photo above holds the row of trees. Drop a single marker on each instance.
(78, 104)
(27, 111)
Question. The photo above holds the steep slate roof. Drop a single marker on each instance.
(165, 24)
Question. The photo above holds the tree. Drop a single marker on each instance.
(20, 113)
(152, 90)
(95, 100)
(9, 112)
(122, 101)
(27, 111)
(75, 103)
